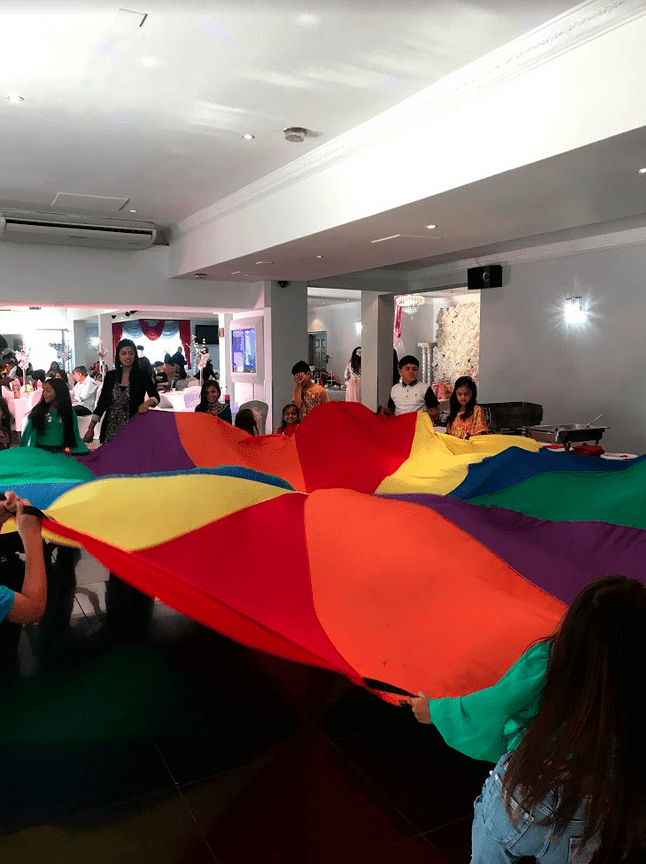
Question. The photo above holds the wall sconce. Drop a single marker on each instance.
(357, 327)
(574, 312)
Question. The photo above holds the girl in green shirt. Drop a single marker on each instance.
(572, 785)
(52, 423)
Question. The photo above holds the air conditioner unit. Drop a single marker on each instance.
(61, 232)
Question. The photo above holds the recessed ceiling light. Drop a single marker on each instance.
(248, 136)
(430, 227)
(149, 61)
(264, 262)
(318, 256)
(133, 211)
(235, 272)
(200, 275)
(642, 171)
(381, 239)
(14, 97)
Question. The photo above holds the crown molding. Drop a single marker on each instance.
(585, 22)
(558, 249)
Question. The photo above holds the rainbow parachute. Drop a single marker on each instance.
(368, 545)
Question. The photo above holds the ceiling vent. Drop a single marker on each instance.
(62, 231)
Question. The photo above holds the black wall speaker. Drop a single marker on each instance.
(484, 277)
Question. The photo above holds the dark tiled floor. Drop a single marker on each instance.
(128, 733)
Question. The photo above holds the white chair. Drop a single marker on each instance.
(260, 409)
(84, 424)
(192, 397)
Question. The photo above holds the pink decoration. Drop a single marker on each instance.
(22, 357)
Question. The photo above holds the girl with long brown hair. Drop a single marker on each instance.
(572, 785)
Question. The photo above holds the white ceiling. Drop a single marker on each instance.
(331, 296)
(579, 193)
(155, 114)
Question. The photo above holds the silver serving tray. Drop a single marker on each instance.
(566, 432)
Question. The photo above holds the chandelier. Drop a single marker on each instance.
(410, 303)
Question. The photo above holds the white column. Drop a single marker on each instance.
(80, 348)
(224, 323)
(426, 361)
(105, 334)
(376, 348)
(286, 342)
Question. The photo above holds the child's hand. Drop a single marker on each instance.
(28, 525)
(420, 708)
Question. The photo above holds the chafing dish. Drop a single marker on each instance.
(566, 433)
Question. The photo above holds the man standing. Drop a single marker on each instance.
(84, 393)
(144, 362)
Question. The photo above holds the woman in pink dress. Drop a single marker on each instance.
(353, 377)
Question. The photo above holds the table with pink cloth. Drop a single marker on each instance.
(20, 408)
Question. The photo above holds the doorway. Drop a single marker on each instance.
(318, 349)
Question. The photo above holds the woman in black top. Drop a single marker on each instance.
(123, 395)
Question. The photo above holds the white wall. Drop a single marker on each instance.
(420, 327)
(339, 322)
(527, 354)
(67, 276)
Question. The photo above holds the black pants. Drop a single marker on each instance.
(81, 410)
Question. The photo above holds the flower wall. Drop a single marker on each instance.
(457, 342)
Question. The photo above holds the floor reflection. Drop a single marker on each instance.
(129, 733)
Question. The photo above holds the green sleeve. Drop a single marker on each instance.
(484, 724)
(27, 432)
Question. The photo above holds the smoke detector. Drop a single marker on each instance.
(295, 133)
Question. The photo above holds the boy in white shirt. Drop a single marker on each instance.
(410, 394)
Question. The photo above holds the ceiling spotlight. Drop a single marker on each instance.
(248, 137)
(430, 227)
(642, 171)
(295, 133)
(14, 97)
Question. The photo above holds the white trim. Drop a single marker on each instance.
(585, 22)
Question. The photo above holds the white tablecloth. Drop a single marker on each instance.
(20, 408)
(336, 395)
